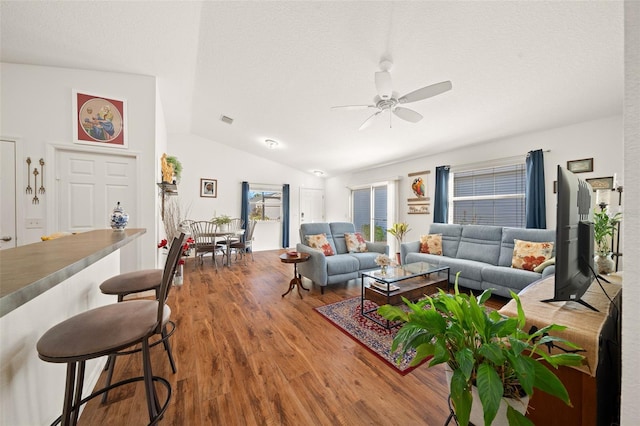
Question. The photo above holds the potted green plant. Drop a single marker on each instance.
(399, 230)
(483, 349)
(604, 225)
(221, 220)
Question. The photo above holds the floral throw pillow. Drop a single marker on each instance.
(355, 242)
(528, 255)
(431, 244)
(320, 242)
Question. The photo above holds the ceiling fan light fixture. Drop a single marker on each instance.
(271, 144)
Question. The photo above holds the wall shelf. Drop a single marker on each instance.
(167, 189)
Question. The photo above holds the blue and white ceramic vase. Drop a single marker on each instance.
(119, 218)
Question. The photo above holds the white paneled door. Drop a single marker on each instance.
(89, 185)
(311, 205)
(7, 194)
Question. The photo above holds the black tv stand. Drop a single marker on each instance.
(580, 301)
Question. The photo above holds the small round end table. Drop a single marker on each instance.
(297, 279)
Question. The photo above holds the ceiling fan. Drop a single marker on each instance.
(388, 100)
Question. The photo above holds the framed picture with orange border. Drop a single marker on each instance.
(208, 188)
(99, 120)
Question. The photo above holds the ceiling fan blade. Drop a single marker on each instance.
(407, 114)
(368, 121)
(351, 107)
(383, 84)
(426, 92)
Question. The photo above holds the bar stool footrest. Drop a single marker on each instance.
(157, 379)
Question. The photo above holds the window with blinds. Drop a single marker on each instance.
(370, 208)
(491, 196)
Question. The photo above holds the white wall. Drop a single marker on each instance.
(203, 158)
(631, 289)
(600, 139)
(36, 108)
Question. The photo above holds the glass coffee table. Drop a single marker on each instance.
(388, 288)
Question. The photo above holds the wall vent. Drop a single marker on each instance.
(226, 119)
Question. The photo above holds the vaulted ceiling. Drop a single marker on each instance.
(277, 68)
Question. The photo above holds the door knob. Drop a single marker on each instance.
(6, 238)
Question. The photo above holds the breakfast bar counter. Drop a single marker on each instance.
(43, 284)
(30, 270)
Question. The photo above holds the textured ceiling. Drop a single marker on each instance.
(277, 68)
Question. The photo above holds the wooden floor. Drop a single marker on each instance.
(247, 356)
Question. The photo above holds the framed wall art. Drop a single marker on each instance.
(208, 188)
(418, 204)
(418, 208)
(601, 183)
(580, 166)
(99, 120)
(418, 182)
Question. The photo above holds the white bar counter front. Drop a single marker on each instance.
(42, 284)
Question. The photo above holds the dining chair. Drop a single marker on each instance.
(234, 227)
(206, 240)
(245, 244)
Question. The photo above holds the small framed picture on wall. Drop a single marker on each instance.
(601, 183)
(580, 166)
(208, 188)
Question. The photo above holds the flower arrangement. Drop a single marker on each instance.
(186, 247)
(383, 260)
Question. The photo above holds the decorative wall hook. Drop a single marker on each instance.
(35, 200)
(29, 190)
(41, 190)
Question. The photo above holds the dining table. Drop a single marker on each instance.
(228, 237)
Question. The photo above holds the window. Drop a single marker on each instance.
(490, 196)
(265, 205)
(369, 207)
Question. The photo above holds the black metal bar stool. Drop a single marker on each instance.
(128, 283)
(104, 331)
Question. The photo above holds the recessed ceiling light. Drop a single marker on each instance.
(271, 144)
(318, 172)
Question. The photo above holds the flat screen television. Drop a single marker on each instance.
(574, 239)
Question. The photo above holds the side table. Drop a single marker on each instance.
(297, 279)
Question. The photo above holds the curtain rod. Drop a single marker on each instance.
(490, 163)
(266, 185)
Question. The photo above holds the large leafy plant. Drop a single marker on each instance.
(483, 349)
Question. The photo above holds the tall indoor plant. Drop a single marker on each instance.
(399, 230)
(483, 349)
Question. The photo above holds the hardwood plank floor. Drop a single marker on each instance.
(247, 356)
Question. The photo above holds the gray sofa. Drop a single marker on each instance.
(341, 267)
(482, 255)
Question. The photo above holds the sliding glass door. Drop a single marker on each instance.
(369, 212)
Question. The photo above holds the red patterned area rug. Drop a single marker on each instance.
(345, 315)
